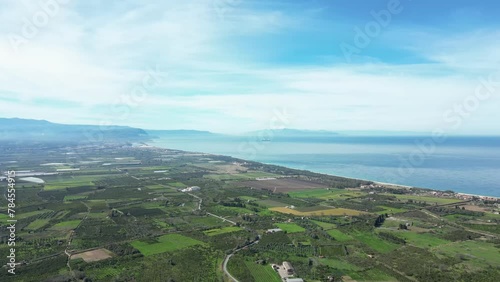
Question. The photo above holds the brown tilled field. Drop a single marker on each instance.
(282, 185)
(95, 255)
(475, 208)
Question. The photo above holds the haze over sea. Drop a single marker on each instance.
(462, 164)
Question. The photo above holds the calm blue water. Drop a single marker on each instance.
(463, 164)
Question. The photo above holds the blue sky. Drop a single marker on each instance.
(239, 65)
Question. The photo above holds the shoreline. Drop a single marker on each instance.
(148, 145)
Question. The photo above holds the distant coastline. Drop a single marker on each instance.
(463, 195)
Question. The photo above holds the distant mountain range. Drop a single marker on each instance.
(180, 132)
(15, 129)
(42, 130)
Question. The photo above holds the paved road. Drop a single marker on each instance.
(226, 260)
(224, 267)
(214, 215)
(199, 203)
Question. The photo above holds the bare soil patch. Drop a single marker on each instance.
(475, 208)
(95, 255)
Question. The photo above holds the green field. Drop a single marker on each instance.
(97, 204)
(375, 242)
(157, 187)
(325, 225)
(339, 264)
(34, 225)
(165, 243)
(323, 193)
(74, 197)
(290, 227)
(176, 184)
(390, 210)
(71, 224)
(338, 235)
(61, 182)
(262, 272)
(233, 210)
(105, 273)
(487, 253)
(372, 275)
(208, 221)
(29, 214)
(422, 240)
(218, 231)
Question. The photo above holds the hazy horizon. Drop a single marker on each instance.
(237, 66)
(355, 133)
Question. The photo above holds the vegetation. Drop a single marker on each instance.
(290, 227)
(219, 231)
(165, 243)
(128, 200)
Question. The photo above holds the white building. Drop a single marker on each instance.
(273, 230)
(191, 189)
(294, 280)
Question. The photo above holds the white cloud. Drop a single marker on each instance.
(94, 58)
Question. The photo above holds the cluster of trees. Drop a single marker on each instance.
(38, 271)
(380, 220)
(456, 210)
(236, 203)
(423, 265)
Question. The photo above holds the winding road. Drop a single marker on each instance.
(226, 260)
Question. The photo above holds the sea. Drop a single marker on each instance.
(465, 164)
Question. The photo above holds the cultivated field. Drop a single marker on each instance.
(375, 242)
(165, 243)
(262, 272)
(290, 227)
(335, 211)
(325, 225)
(430, 200)
(271, 203)
(95, 255)
(66, 224)
(330, 193)
(219, 231)
(339, 235)
(129, 223)
(486, 253)
(282, 185)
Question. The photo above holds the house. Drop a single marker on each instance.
(294, 280)
(274, 230)
(288, 267)
(191, 189)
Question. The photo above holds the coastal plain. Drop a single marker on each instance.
(134, 212)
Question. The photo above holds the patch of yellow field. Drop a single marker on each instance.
(335, 211)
